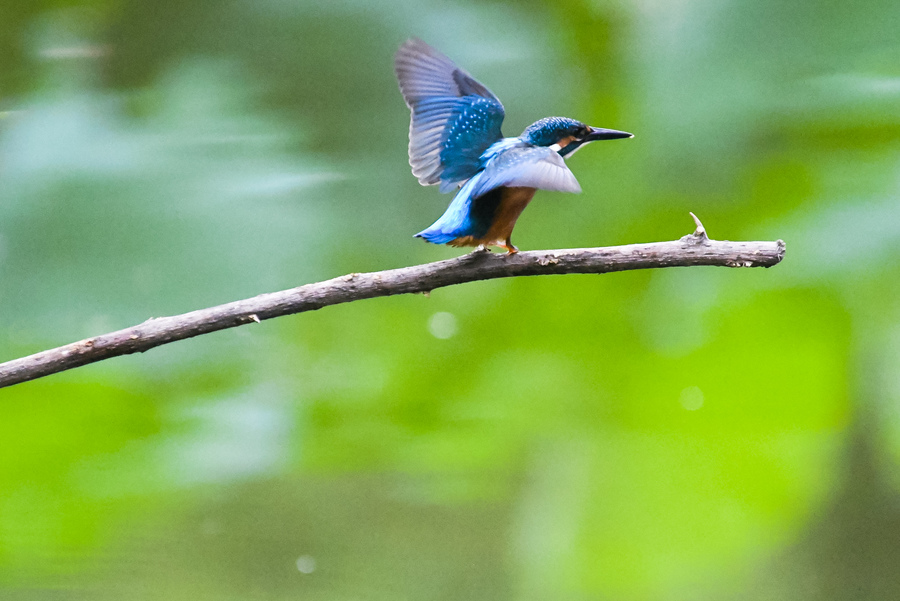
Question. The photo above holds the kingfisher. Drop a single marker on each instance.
(455, 141)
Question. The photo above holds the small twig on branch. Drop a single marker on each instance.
(693, 249)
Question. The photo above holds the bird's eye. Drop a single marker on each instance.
(583, 132)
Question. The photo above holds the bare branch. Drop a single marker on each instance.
(693, 249)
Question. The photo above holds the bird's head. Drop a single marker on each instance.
(567, 135)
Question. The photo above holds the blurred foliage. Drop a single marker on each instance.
(676, 434)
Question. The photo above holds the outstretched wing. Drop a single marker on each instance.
(454, 117)
(529, 167)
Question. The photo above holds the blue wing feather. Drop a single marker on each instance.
(454, 117)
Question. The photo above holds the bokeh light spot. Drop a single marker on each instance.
(442, 325)
(306, 564)
(691, 398)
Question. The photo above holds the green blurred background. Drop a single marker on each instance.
(689, 434)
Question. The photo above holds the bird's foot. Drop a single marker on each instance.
(510, 249)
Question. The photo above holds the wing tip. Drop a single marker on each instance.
(412, 49)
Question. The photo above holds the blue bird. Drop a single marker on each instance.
(455, 141)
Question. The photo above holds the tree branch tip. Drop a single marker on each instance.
(254, 317)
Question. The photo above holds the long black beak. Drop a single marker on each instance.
(598, 133)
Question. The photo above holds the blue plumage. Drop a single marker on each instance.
(458, 220)
(549, 130)
(476, 126)
(454, 118)
(455, 140)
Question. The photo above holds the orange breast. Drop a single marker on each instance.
(512, 203)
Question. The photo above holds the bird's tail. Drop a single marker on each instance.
(435, 235)
(455, 221)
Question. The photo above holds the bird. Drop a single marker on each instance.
(455, 141)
